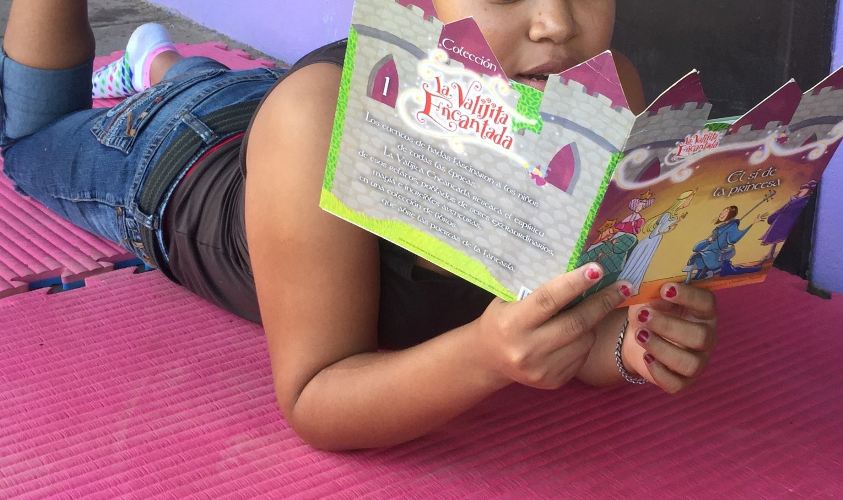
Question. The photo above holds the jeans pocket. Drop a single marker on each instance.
(121, 125)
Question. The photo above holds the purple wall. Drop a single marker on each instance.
(828, 264)
(286, 29)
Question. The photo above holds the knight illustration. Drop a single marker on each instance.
(713, 256)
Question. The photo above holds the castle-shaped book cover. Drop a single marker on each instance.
(507, 186)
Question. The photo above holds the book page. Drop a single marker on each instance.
(711, 204)
(436, 151)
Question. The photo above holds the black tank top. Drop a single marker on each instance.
(206, 241)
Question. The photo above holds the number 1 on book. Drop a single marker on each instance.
(386, 86)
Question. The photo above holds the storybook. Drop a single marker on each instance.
(509, 184)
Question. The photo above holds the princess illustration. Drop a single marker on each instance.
(643, 253)
(634, 222)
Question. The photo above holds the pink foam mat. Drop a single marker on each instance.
(38, 248)
(133, 387)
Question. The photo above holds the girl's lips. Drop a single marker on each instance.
(538, 84)
(553, 67)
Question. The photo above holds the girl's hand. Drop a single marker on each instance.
(536, 343)
(673, 338)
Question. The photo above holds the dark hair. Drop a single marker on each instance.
(733, 212)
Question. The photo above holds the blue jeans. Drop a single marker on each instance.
(89, 165)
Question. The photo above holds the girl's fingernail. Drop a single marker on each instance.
(643, 336)
(625, 291)
(648, 358)
(593, 274)
(643, 316)
(671, 292)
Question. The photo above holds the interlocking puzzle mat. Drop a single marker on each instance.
(131, 386)
(39, 249)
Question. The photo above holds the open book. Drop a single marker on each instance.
(508, 186)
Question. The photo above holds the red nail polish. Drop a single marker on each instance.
(593, 274)
(648, 358)
(644, 316)
(671, 292)
(625, 291)
(643, 336)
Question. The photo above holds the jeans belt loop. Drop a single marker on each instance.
(151, 222)
(202, 130)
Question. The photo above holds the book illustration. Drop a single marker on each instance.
(713, 256)
(611, 250)
(751, 178)
(651, 239)
(507, 184)
(671, 129)
(782, 220)
(634, 222)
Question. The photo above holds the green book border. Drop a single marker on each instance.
(342, 107)
(399, 233)
(592, 212)
(420, 243)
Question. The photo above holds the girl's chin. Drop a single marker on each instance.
(532, 82)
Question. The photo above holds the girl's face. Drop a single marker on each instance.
(535, 38)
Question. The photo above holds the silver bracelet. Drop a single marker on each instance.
(618, 361)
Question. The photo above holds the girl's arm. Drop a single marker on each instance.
(318, 287)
